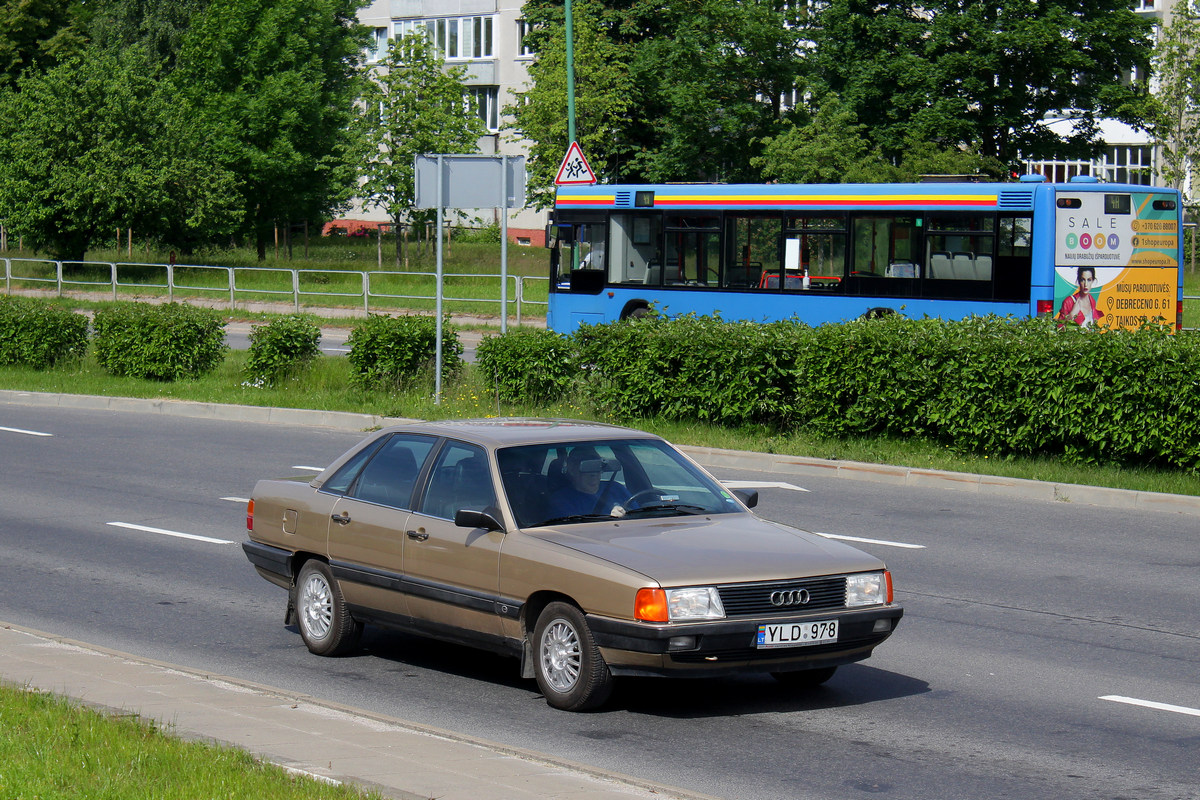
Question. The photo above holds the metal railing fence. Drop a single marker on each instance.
(244, 284)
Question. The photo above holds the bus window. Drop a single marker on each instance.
(633, 246)
(821, 242)
(752, 250)
(960, 247)
(692, 255)
(884, 256)
(1014, 258)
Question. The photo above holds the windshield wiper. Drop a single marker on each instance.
(683, 508)
(575, 518)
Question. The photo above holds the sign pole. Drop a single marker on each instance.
(570, 33)
(504, 245)
(437, 352)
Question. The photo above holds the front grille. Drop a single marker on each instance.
(754, 599)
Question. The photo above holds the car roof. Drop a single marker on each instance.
(508, 431)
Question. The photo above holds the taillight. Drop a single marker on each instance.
(651, 606)
(250, 515)
(1045, 308)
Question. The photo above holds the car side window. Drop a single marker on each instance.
(340, 481)
(460, 478)
(389, 477)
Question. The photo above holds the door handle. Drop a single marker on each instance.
(341, 519)
(419, 536)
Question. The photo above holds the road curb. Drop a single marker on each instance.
(1015, 488)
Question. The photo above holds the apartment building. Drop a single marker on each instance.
(486, 37)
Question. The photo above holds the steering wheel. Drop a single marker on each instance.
(645, 494)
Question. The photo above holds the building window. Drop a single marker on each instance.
(380, 49)
(484, 101)
(454, 38)
(1128, 164)
(523, 30)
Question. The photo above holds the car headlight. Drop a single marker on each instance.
(697, 602)
(868, 589)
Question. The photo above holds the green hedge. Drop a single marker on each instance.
(392, 351)
(988, 385)
(38, 334)
(527, 365)
(280, 348)
(158, 342)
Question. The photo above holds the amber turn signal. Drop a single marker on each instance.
(651, 606)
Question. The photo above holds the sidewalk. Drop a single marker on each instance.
(332, 743)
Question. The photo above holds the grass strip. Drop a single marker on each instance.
(52, 748)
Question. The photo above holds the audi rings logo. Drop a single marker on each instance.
(791, 597)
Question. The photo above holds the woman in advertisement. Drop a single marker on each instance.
(1080, 307)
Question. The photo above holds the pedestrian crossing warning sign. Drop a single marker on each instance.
(575, 168)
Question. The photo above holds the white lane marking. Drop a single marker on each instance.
(1133, 701)
(27, 433)
(237, 499)
(176, 534)
(762, 485)
(336, 349)
(309, 469)
(871, 541)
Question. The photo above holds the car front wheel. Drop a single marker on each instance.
(325, 624)
(570, 670)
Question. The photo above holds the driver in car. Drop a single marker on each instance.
(587, 491)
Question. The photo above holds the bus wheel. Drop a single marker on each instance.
(877, 312)
(637, 311)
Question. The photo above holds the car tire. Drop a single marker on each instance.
(326, 625)
(569, 668)
(805, 678)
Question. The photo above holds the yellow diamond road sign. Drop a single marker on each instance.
(575, 168)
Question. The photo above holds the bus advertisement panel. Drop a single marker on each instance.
(1117, 258)
(1097, 254)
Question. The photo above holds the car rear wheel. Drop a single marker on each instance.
(325, 624)
(805, 678)
(570, 670)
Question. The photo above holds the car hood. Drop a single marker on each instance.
(723, 548)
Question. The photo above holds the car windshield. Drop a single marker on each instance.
(575, 482)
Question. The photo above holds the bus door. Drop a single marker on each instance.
(885, 256)
(577, 257)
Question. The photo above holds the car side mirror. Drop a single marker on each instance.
(747, 496)
(466, 518)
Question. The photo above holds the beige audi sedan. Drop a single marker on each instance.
(587, 551)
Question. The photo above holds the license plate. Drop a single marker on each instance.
(795, 634)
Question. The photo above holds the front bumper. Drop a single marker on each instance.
(725, 646)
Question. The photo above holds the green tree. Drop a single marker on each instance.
(97, 143)
(281, 78)
(412, 105)
(983, 75)
(39, 34)
(832, 148)
(156, 26)
(665, 89)
(604, 106)
(713, 79)
(1177, 122)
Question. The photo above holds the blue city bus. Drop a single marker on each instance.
(1102, 254)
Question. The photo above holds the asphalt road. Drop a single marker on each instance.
(1021, 618)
